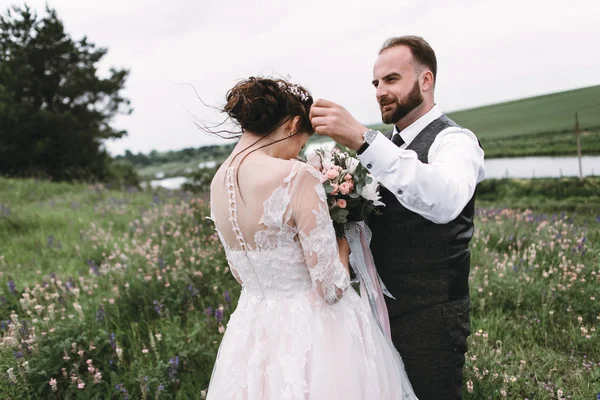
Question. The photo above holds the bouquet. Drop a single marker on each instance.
(353, 196)
(352, 192)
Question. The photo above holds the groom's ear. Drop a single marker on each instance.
(427, 81)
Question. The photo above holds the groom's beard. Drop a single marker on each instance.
(401, 108)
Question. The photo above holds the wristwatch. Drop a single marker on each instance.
(368, 138)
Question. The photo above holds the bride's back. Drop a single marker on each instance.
(239, 192)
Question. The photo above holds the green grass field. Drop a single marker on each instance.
(115, 294)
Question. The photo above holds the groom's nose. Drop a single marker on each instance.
(381, 92)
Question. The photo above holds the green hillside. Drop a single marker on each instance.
(540, 125)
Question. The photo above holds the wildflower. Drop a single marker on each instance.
(52, 384)
(158, 307)
(11, 375)
(470, 386)
(100, 314)
(219, 314)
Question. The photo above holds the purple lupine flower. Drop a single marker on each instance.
(113, 342)
(219, 315)
(18, 354)
(24, 329)
(100, 314)
(93, 267)
(4, 210)
(161, 387)
(11, 286)
(227, 297)
(208, 311)
(173, 365)
(158, 307)
(193, 291)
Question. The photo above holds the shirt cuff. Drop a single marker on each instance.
(380, 155)
(390, 165)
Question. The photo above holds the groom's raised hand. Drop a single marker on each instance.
(331, 119)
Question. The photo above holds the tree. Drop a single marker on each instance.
(55, 111)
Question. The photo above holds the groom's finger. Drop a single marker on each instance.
(318, 112)
(324, 103)
(318, 121)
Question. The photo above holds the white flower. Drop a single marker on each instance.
(370, 192)
(327, 160)
(352, 164)
(11, 375)
(314, 160)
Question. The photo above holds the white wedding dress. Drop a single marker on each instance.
(300, 331)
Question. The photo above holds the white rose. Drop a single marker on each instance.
(327, 160)
(352, 164)
(315, 160)
(370, 192)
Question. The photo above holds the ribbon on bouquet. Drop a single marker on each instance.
(372, 288)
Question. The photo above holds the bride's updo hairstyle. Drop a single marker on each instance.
(261, 105)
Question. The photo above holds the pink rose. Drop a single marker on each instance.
(341, 203)
(345, 188)
(332, 174)
(348, 177)
(336, 189)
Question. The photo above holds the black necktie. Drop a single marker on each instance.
(397, 140)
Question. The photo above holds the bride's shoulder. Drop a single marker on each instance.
(301, 168)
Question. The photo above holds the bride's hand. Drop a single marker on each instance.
(344, 249)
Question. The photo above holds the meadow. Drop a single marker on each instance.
(126, 294)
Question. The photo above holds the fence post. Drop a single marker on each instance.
(578, 137)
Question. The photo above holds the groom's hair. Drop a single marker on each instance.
(421, 51)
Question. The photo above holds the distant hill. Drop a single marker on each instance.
(540, 125)
(548, 113)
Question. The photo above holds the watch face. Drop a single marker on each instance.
(370, 136)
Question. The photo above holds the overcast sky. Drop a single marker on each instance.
(488, 51)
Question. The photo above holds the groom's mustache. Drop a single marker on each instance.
(384, 101)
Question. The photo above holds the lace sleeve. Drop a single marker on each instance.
(317, 236)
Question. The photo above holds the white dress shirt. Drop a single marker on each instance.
(439, 190)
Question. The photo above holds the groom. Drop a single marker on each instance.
(429, 168)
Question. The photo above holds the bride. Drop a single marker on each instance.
(300, 331)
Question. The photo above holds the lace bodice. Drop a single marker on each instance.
(292, 247)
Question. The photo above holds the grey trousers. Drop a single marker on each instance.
(432, 342)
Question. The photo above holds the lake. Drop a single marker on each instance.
(522, 167)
